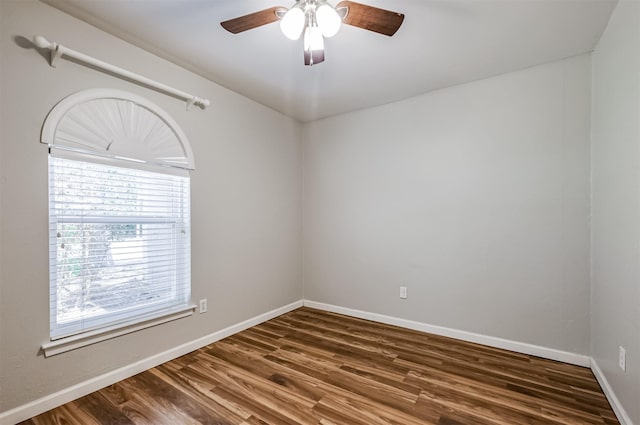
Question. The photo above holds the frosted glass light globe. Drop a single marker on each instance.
(328, 20)
(313, 39)
(313, 46)
(292, 23)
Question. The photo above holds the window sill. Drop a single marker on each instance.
(87, 338)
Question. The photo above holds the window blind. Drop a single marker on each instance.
(119, 244)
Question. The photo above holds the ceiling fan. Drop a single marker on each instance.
(318, 19)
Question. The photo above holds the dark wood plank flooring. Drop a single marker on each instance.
(314, 367)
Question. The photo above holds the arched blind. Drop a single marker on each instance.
(117, 125)
(119, 234)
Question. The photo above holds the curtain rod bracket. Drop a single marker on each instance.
(57, 51)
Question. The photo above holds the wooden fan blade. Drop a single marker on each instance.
(252, 20)
(372, 18)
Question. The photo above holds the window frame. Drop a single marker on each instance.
(106, 326)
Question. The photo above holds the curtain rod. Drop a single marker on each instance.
(57, 51)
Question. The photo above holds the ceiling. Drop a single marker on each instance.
(441, 43)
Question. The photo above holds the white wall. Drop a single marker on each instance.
(246, 202)
(616, 204)
(475, 197)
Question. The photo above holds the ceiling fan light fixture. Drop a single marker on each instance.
(313, 45)
(292, 23)
(318, 19)
(328, 19)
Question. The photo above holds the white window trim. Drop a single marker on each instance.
(48, 136)
(73, 342)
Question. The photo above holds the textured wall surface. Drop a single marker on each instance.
(615, 310)
(475, 197)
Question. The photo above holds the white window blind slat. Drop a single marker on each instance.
(119, 244)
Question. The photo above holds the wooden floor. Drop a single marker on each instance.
(313, 367)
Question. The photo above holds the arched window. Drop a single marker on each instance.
(119, 213)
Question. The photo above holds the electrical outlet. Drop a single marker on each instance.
(403, 292)
(203, 305)
(622, 358)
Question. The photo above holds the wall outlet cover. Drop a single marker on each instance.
(203, 305)
(622, 358)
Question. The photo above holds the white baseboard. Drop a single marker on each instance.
(622, 415)
(51, 401)
(520, 347)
